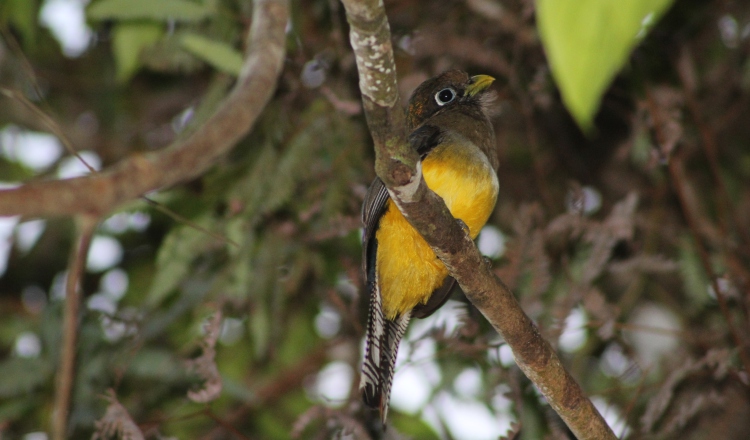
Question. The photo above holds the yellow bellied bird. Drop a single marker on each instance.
(451, 131)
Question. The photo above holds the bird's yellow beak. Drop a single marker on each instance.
(478, 83)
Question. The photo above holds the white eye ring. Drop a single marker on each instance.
(445, 96)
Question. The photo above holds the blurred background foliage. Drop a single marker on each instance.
(629, 247)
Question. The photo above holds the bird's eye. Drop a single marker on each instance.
(445, 96)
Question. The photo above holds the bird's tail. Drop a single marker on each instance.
(381, 348)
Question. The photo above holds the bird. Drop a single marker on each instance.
(448, 119)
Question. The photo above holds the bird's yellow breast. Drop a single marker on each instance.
(407, 269)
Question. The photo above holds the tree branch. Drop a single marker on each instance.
(370, 37)
(66, 374)
(398, 167)
(100, 194)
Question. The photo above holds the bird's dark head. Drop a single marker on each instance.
(448, 90)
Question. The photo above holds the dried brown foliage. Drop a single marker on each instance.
(116, 422)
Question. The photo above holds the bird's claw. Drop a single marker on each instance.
(463, 225)
(488, 262)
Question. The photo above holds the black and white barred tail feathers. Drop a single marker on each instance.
(381, 349)
(369, 382)
(394, 331)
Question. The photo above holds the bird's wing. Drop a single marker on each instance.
(437, 299)
(424, 139)
(372, 209)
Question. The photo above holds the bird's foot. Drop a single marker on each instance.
(487, 262)
(463, 225)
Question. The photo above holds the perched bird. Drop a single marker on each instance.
(451, 131)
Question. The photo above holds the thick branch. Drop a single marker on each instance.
(429, 215)
(370, 36)
(131, 178)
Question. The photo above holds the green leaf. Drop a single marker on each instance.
(180, 10)
(259, 327)
(413, 426)
(175, 259)
(253, 188)
(588, 41)
(168, 56)
(22, 375)
(128, 40)
(15, 409)
(216, 53)
(23, 15)
(693, 275)
(156, 364)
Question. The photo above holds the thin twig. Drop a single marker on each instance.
(224, 424)
(729, 218)
(677, 177)
(710, 146)
(184, 220)
(49, 122)
(66, 374)
(26, 65)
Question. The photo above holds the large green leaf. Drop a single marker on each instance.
(588, 41)
(180, 10)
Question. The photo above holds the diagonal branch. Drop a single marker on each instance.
(140, 174)
(398, 167)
